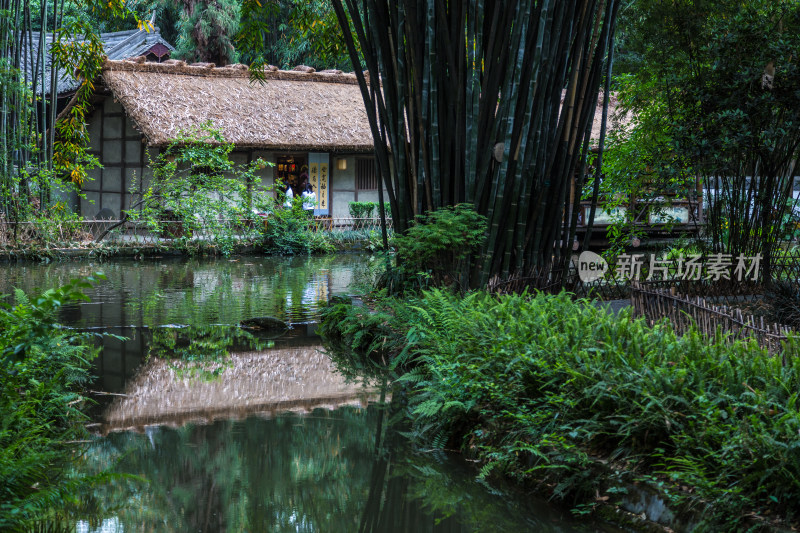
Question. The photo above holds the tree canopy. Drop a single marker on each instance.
(287, 33)
(724, 78)
(207, 31)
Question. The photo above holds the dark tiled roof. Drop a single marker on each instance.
(136, 43)
(117, 45)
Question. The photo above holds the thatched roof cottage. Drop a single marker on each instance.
(300, 120)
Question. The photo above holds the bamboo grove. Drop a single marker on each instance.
(488, 103)
(42, 126)
(28, 85)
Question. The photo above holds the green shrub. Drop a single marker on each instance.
(432, 252)
(288, 232)
(42, 371)
(197, 190)
(535, 387)
(369, 240)
(363, 209)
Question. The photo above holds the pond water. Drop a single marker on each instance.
(200, 291)
(179, 299)
(301, 473)
(268, 439)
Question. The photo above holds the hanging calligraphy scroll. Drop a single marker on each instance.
(319, 164)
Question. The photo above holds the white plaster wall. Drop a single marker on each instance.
(343, 186)
(370, 196)
(266, 174)
(341, 205)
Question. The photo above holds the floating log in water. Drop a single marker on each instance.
(266, 323)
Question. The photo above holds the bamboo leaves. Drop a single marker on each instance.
(39, 146)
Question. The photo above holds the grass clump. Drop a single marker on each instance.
(538, 387)
(288, 233)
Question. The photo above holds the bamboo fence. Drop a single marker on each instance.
(731, 292)
(685, 312)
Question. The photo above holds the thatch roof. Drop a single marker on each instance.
(290, 110)
(614, 119)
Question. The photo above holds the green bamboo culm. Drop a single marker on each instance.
(44, 148)
(19, 121)
(488, 104)
(28, 96)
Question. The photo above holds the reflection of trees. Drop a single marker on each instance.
(396, 502)
(414, 492)
(202, 348)
(194, 291)
(227, 292)
(298, 473)
(290, 473)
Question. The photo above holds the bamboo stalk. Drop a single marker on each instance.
(53, 91)
(463, 65)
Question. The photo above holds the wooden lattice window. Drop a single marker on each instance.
(366, 178)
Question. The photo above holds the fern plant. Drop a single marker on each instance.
(43, 369)
(534, 386)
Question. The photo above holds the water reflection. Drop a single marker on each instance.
(120, 360)
(168, 391)
(327, 470)
(198, 291)
(300, 473)
(189, 309)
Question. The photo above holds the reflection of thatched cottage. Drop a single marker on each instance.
(295, 119)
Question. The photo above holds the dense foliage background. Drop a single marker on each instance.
(711, 88)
